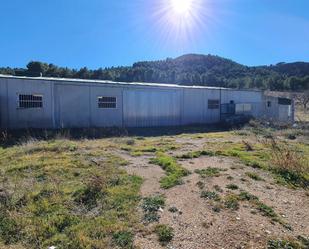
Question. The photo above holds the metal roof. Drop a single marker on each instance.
(114, 83)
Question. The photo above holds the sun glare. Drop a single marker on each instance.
(181, 22)
(181, 7)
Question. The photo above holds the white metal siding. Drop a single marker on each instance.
(3, 104)
(33, 117)
(101, 117)
(146, 108)
(72, 106)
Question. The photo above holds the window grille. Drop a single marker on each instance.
(107, 102)
(27, 101)
(213, 104)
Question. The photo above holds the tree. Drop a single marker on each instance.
(303, 99)
(36, 68)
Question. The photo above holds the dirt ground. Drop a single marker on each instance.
(197, 226)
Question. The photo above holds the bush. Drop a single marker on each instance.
(245, 196)
(284, 244)
(165, 233)
(209, 172)
(254, 176)
(151, 206)
(231, 202)
(289, 164)
(94, 190)
(9, 231)
(210, 195)
(123, 239)
(232, 186)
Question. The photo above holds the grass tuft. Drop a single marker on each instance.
(165, 233)
(254, 176)
(175, 172)
(209, 172)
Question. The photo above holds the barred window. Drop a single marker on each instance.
(28, 101)
(107, 102)
(213, 104)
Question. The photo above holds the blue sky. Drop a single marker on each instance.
(101, 33)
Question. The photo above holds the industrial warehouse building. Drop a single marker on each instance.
(37, 102)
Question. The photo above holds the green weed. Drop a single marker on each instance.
(165, 233)
(175, 172)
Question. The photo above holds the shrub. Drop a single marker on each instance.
(289, 164)
(200, 184)
(245, 196)
(94, 190)
(151, 206)
(231, 202)
(210, 195)
(254, 176)
(123, 239)
(248, 146)
(130, 142)
(173, 210)
(266, 210)
(209, 172)
(232, 186)
(9, 231)
(284, 244)
(196, 154)
(165, 233)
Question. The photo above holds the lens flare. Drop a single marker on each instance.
(181, 7)
(179, 22)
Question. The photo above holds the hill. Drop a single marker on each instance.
(190, 69)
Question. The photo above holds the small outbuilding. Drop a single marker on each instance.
(52, 103)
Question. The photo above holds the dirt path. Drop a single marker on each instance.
(197, 226)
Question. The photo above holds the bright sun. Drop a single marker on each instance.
(181, 7)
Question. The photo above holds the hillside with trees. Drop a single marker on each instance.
(191, 69)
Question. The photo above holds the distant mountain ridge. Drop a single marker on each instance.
(190, 69)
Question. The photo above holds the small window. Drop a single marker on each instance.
(28, 101)
(107, 102)
(213, 104)
(268, 103)
(284, 101)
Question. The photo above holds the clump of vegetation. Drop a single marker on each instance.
(123, 239)
(267, 211)
(196, 154)
(165, 233)
(200, 184)
(209, 172)
(218, 188)
(139, 147)
(286, 244)
(289, 164)
(173, 210)
(175, 172)
(231, 202)
(151, 206)
(248, 146)
(210, 195)
(94, 190)
(245, 196)
(232, 186)
(254, 176)
(216, 208)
